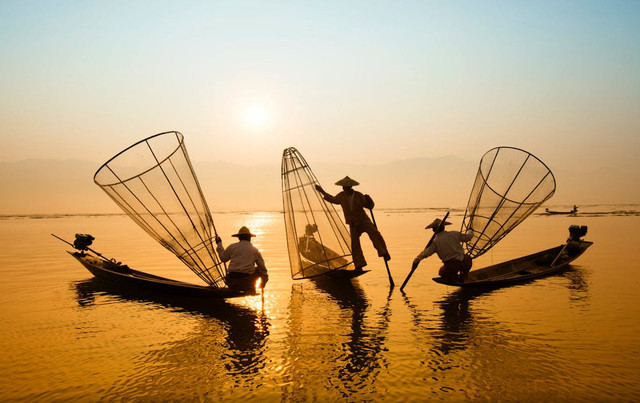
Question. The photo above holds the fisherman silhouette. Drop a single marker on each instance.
(317, 253)
(353, 204)
(448, 245)
(247, 264)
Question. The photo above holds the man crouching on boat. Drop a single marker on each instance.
(448, 246)
(247, 264)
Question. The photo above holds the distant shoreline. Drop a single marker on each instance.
(584, 211)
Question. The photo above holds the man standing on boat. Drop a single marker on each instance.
(448, 246)
(247, 264)
(353, 204)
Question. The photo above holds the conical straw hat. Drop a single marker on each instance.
(436, 223)
(346, 181)
(243, 231)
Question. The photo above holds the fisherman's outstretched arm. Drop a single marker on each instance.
(327, 196)
(428, 251)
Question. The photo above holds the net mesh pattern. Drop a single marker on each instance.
(317, 240)
(510, 185)
(153, 181)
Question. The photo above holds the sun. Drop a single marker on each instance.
(256, 117)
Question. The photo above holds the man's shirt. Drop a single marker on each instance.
(352, 206)
(447, 244)
(244, 257)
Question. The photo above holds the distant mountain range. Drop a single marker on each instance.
(55, 186)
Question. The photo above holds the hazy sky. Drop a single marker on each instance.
(358, 81)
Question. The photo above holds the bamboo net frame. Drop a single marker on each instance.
(153, 181)
(510, 185)
(327, 247)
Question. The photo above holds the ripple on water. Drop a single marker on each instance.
(569, 337)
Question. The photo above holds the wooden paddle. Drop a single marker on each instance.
(391, 283)
(428, 244)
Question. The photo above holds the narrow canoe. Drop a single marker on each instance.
(547, 211)
(525, 268)
(125, 276)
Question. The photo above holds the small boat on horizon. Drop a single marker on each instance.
(572, 211)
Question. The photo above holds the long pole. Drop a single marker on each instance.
(391, 283)
(406, 280)
(563, 248)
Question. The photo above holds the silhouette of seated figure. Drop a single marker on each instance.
(315, 253)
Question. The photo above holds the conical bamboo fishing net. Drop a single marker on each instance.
(154, 183)
(317, 240)
(510, 185)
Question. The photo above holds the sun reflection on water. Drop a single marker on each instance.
(259, 223)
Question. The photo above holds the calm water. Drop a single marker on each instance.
(572, 336)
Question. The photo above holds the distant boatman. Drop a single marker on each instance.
(448, 246)
(247, 264)
(353, 204)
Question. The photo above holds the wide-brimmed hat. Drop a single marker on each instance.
(436, 223)
(243, 231)
(346, 181)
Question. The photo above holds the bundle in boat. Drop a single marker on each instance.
(510, 185)
(153, 181)
(317, 240)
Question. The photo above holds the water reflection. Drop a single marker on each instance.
(226, 343)
(338, 351)
(365, 343)
(456, 323)
(578, 284)
(452, 332)
(456, 319)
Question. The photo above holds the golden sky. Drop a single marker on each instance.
(344, 81)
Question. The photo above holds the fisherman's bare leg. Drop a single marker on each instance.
(447, 274)
(449, 271)
(376, 239)
(356, 248)
(465, 267)
(242, 282)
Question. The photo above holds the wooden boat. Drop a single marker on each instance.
(123, 275)
(573, 211)
(154, 183)
(526, 268)
(329, 269)
(510, 185)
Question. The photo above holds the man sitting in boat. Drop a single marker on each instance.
(315, 252)
(247, 264)
(448, 246)
(353, 204)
